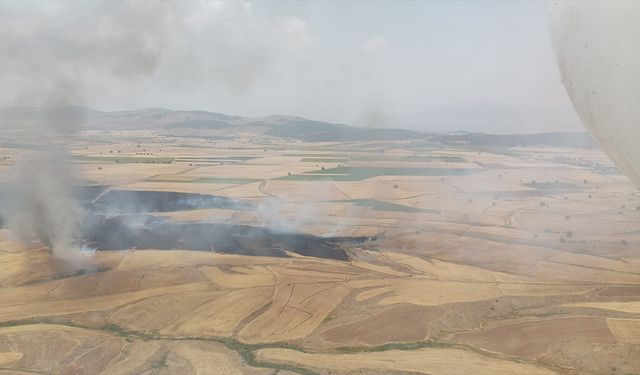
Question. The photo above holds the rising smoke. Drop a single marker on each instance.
(51, 51)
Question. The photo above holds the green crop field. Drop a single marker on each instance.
(323, 160)
(361, 173)
(389, 206)
(125, 159)
(210, 180)
(547, 186)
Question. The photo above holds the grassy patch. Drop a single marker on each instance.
(230, 180)
(246, 351)
(362, 173)
(215, 159)
(323, 160)
(81, 272)
(388, 206)
(125, 159)
(120, 331)
(23, 322)
(442, 158)
(325, 156)
(550, 186)
(63, 275)
(161, 362)
(517, 194)
(209, 180)
(414, 158)
(194, 145)
(393, 346)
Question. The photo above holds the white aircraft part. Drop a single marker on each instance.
(598, 49)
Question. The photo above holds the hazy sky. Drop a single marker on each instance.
(367, 63)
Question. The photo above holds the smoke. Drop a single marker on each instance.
(51, 51)
(39, 204)
(271, 213)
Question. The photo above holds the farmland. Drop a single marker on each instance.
(450, 260)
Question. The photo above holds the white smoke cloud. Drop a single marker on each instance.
(293, 34)
(375, 45)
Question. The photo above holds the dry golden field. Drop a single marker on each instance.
(487, 261)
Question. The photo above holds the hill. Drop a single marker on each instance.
(205, 124)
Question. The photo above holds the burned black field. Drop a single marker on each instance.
(122, 220)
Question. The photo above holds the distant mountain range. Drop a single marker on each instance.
(492, 118)
(203, 123)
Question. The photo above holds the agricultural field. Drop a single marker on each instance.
(257, 254)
